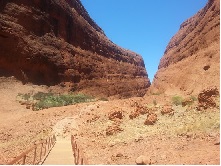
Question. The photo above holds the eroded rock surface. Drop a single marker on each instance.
(191, 60)
(56, 42)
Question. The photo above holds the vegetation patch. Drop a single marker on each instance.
(177, 100)
(43, 100)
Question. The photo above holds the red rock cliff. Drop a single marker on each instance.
(191, 61)
(56, 42)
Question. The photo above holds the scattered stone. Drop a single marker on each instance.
(139, 139)
(93, 119)
(139, 110)
(134, 114)
(167, 109)
(189, 135)
(111, 130)
(206, 98)
(142, 110)
(143, 160)
(115, 114)
(151, 119)
(135, 104)
(119, 155)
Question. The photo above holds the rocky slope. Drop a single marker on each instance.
(192, 58)
(56, 42)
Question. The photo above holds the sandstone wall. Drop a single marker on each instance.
(191, 61)
(56, 42)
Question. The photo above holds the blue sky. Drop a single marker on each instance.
(143, 26)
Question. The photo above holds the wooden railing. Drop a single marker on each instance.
(79, 158)
(36, 154)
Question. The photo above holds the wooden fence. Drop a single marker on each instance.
(36, 154)
(79, 158)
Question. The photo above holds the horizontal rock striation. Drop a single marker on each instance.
(56, 42)
(192, 58)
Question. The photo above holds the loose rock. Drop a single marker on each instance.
(111, 130)
(115, 115)
(206, 98)
(167, 109)
(151, 119)
(143, 160)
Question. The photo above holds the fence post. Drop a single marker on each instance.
(24, 158)
(49, 143)
(46, 142)
(41, 150)
(78, 156)
(75, 154)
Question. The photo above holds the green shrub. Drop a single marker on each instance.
(41, 95)
(43, 100)
(61, 100)
(177, 100)
(25, 96)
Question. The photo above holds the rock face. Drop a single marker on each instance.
(192, 58)
(56, 42)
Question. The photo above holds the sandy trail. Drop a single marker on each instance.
(61, 153)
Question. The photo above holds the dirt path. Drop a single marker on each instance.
(61, 154)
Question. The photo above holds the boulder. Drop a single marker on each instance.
(206, 98)
(115, 115)
(151, 119)
(167, 109)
